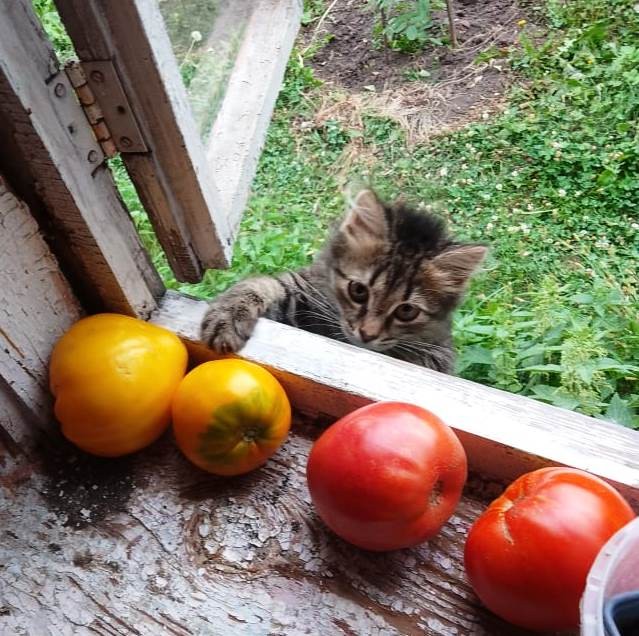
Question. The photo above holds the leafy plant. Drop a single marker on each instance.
(53, 27)
(404, 25)
(567, 349)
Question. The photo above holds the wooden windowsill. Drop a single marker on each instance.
(504, 435)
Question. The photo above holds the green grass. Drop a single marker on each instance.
(550, 184)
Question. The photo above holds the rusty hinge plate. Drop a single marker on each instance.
(91, 108)
(71, 118)
(107, 107)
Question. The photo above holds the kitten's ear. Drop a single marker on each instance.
(456, 264)
(366, 217)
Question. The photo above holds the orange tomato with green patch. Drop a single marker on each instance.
(230, 416)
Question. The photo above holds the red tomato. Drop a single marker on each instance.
(386, 476)
(529, 554)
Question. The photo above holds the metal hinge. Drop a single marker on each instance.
(106, 106)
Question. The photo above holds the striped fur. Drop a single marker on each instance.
(388, 279)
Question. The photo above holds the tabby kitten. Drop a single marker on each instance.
(388, 279)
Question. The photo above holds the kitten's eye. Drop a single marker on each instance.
(406, 312)
(358, 292)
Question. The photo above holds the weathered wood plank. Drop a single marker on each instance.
(16, 426)
(60, 159)
(239, 131)
(172, 179)
(150, 545)
(504, 434)
(36, 307)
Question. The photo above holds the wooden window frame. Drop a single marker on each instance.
(55, 158)
(194, 195)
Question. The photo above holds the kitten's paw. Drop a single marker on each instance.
(226, 329)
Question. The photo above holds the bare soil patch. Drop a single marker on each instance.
(459, 85)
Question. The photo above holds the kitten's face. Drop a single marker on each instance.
(395, 276)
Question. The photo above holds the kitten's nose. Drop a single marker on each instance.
(366, 336)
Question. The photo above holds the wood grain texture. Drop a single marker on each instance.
(48, 127)
(36, 307)
(150, 545)
(504, 435)
(239, 131)
(172, 179)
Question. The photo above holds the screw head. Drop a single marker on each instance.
(93, 156)
(60, 90)
(126, 142)
(97, 76)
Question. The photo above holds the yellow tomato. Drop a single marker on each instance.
(230, 416)
(113, 378)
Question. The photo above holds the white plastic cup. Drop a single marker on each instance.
(615, 570)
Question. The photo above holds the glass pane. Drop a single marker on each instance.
(206, 36)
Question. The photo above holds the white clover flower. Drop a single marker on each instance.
(443, 172)
(489, 226)
(634, 226)
(514, 173)
(499, 186)
(196, 36)
(561, 192)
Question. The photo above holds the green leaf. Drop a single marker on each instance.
(477, 355)
(583, 299)
(624, 127)
(545, 391)
(484, 330)
(544, 368)
(555, 396)
(620, 412)
(534, 350)
(608, 364)
(606, 177)
(596, 33)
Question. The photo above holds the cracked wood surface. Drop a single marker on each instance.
(150, 545)
(36, 307)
